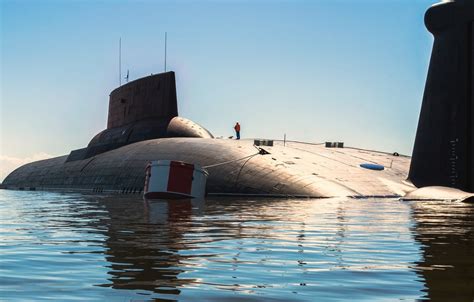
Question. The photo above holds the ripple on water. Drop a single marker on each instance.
(67, 247)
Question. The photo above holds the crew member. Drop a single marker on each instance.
(237, 130)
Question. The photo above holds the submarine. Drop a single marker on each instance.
(143, 125)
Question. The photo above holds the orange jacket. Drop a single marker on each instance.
(237, 127)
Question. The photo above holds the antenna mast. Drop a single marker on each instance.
(120, 61)
(165, 48)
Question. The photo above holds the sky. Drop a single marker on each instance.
(321, 70)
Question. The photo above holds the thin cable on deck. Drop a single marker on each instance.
(230, 161)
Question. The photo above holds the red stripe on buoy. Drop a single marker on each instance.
(180, 177)
(147, 177)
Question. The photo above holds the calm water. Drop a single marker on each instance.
(73, 247)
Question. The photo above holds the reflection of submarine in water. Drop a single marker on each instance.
(143, 250)
(446, 237)
(143, 125)
(166, 247)
(150, 245)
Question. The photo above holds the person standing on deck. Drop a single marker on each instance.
(237, 130)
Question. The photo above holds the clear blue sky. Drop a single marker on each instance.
(333, 70)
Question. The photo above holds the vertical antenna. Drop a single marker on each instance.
(165, 48)
(120, 61)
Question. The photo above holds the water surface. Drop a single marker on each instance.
(74, 247)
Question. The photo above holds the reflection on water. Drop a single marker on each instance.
(74, 247)
(143, 244)
(445, 232)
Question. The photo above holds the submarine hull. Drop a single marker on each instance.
(235, 167)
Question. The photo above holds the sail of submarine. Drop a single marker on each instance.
(143, 125)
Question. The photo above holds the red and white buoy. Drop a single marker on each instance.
(169, 179)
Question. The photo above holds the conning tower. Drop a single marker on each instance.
(443, 152)
(141, 110)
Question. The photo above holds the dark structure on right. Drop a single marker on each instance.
(444, 146)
